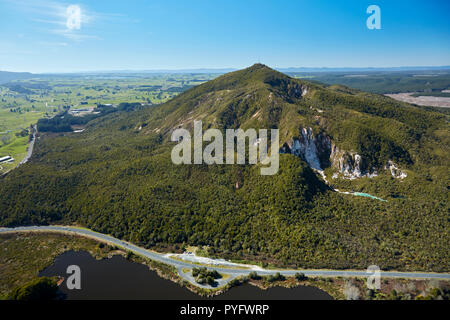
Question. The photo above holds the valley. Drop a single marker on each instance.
(24, 101)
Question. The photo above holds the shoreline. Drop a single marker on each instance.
(334, 286)
(162, 258)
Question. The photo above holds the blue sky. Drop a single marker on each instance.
(169, 34)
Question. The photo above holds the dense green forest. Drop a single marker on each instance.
(117, 177)
(425, 81)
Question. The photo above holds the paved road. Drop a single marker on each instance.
(232, 272)
(30, 147)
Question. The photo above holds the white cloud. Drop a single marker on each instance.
(73, 17)
(67, 20)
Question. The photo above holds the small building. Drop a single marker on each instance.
(6, 159)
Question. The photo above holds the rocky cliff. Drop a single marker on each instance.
(320, 153)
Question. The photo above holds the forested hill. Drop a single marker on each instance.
(117, 177)
(259, 97)
(6, 76)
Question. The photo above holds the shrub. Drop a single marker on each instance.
(38, 289)
(300, 276)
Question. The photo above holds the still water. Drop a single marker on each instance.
(118, 278)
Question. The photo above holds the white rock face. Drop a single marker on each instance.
(304, 90)
(305, 147)
(395, 171)
(316, 149)
(350, 165)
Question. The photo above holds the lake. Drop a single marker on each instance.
(119, 278)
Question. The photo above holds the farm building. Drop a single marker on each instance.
(6, 159)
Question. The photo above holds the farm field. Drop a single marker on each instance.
(24, 102)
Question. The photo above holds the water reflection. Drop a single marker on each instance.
(118, 278)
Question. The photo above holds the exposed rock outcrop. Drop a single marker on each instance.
(395, 171)
(320, 153)
(309, 147)
(350, 165)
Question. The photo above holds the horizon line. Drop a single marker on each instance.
(230, 69)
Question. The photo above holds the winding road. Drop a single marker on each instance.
(232, 270)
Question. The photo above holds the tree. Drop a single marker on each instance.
(210, 280)
(129, 255)
(300, 276)
(6, 139)
(38, 289)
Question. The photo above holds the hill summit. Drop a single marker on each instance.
(117, 177)
(356, 134)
